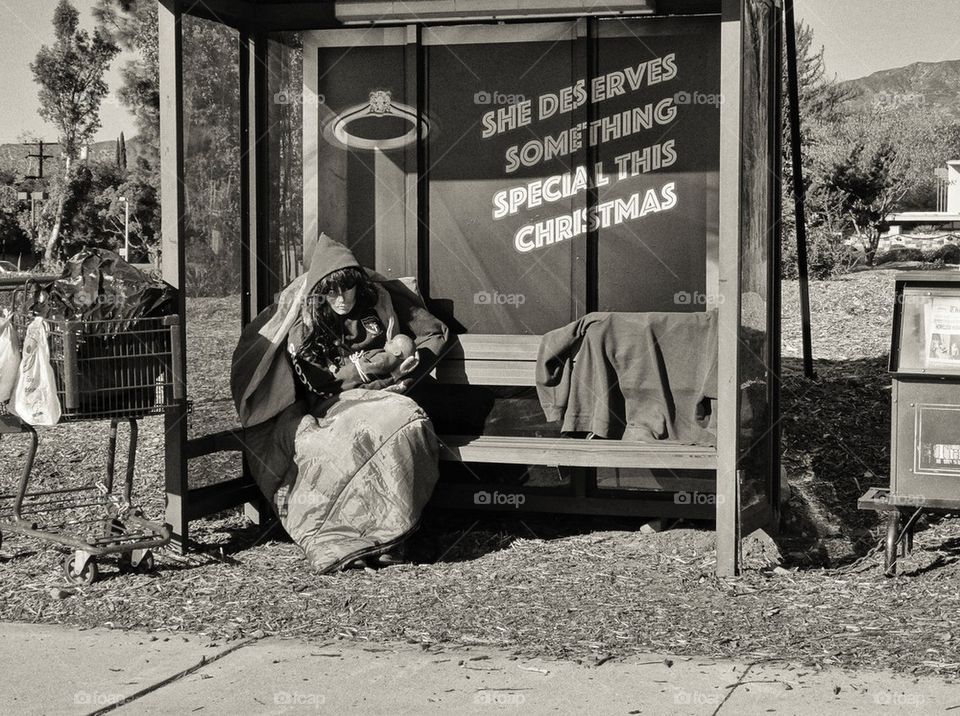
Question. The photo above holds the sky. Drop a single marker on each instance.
(859, 37)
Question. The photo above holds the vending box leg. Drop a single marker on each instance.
(893, 532)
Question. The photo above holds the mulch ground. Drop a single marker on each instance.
(553, 586)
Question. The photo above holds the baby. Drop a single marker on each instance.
(390, 360)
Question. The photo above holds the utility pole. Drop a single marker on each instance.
(36, 198)
(39, 156)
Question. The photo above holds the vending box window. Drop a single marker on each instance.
(528, 164)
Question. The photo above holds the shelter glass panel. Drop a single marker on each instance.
(656, 128)
(285, 121)
(507, 184)
(211, 84)
(756, 458)
(360, 132)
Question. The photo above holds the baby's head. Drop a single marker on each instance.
(400, 346)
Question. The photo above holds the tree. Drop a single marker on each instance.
(880, 162)
(122, 153)
(13, 237)
(70, 76)
(823, 103)
(143, 203)
(132, 25)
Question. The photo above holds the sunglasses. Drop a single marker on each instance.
(333, 289)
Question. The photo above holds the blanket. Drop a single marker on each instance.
(353, 473)
(636, 376)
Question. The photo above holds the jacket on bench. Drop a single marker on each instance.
(637, 376)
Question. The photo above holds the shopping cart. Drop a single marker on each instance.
(118, 370)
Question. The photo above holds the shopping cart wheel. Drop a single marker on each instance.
(88, 575)
(144, 565)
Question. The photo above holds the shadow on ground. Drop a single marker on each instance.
(835, 438)
(835, 433)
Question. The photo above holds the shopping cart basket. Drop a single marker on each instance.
(117, 370)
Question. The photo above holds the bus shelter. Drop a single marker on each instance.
(528, 163)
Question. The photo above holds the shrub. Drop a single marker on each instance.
(899, 254)
(827, 255)
(209, 273)
(946, 254)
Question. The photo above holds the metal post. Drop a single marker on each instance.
(173, 202)
(728, 309)
(126, 228)
(798, 190)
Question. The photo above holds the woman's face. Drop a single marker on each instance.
(341, 301)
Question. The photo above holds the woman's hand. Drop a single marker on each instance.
(408, 366)
(401, 386)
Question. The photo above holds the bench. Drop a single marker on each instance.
(510, 360)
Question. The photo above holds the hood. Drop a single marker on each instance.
(326, 257)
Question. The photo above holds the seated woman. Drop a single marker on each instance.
(347, 461)
(340, 341)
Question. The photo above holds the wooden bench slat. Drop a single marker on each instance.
(576, 453)
(490, 360)
(494, 347)
(223, 441)
(487, 372)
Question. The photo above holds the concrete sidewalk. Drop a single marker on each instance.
(52, 670)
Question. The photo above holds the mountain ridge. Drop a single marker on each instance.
(920, 84)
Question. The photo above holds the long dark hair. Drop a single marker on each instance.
(324, 317)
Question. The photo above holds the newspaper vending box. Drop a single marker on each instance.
(925, 418)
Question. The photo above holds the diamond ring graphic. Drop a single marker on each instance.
(380, 104)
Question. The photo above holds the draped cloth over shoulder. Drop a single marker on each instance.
(356, 468)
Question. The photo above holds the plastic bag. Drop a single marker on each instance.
(35, 397)
(97, 285)
(9, 357)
